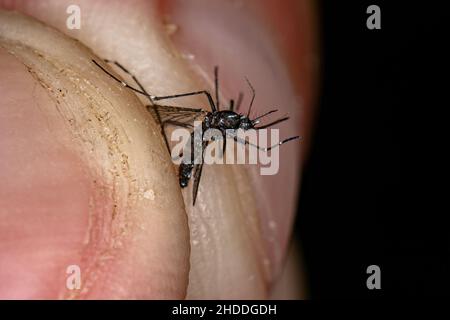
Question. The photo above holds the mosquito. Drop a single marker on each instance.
(222, 120)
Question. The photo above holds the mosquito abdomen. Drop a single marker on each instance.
(185, 173)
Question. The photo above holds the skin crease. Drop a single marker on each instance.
(122, 227)
(151, 258)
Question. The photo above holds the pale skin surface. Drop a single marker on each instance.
(85, 176)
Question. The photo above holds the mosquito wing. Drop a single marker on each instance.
(171, 114)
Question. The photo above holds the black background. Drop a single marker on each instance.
(370, 193)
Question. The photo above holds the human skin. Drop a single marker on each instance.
(86, 179)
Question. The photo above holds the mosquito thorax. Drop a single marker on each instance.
(222, 120)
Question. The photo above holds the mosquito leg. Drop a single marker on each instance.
(272, 123)
(156, 98)
(244, 142)
(216, 86)
(231, 105)
(224, 145)
(123, 83)
(239, 101)
(129, 73)
(256, 120)
(208, 95)
(214, 107)
(163, 132)
(198, 174)
(175, 123)
(253, 97)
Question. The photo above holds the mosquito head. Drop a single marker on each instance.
(245, 123)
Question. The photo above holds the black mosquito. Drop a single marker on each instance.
(222, 120)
